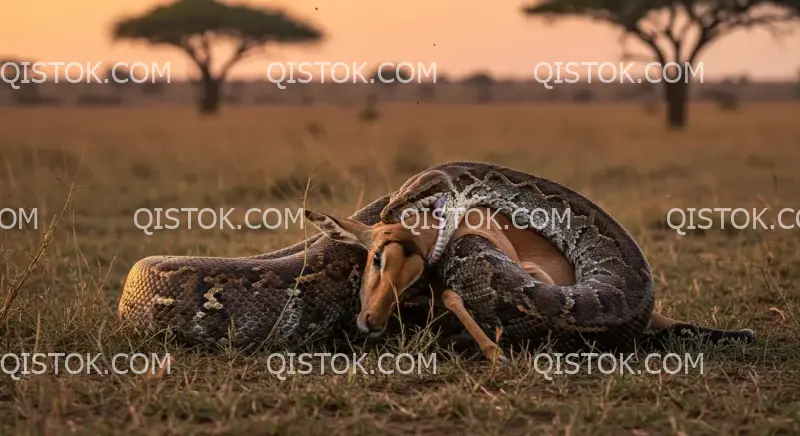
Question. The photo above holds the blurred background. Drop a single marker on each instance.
(483, 52)
(206, 127)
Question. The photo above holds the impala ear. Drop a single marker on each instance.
(340, 229)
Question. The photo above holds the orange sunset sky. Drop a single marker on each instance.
(469, 35)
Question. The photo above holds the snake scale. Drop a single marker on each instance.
(310, 289)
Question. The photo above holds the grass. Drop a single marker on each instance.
(618, 155)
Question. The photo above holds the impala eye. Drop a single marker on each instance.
(376, 260)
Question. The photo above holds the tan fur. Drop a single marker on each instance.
(455, 304)
(382, 286)
(538, 256)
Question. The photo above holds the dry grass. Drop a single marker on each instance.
(617, 155)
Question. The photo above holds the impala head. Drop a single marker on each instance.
(395, 260)
(418, 192)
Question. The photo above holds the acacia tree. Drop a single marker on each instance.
(195, 26)
(675, 31)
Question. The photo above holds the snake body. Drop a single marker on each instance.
(282, 298)
(311, 288)
(610, 303)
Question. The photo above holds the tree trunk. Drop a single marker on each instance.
(210, 95)
(676, 97)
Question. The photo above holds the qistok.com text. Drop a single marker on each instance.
(558, 364)
(19, 218)
(20, 365)
(282, 74)
(608, 72)
(476, 218)
(283, 365)
(16, 73)
(155, 219)
(740, 218)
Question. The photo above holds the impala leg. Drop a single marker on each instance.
(455, 304)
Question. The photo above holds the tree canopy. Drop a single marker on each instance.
(675, 30)
(665, 25)
(194, 26)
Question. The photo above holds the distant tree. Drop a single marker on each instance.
(583, 95)
(237, 90)
(674, 30)
(724, 95)
(153, 88)
(744, 79)
(427, 92)
(427, 88)
(797, 87)
(194, 26)
(369, 113)
(482, 82)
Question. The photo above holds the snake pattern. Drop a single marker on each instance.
(310, 290)
(610, 303)
(283, 298)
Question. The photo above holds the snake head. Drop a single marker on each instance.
(417, 193)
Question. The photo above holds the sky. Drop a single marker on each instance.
(460, 36)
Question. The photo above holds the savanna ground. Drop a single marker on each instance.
(619, 156)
